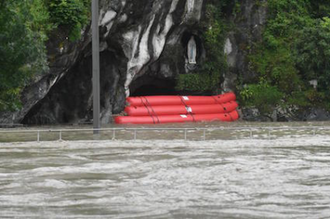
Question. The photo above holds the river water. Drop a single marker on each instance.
(283, 178)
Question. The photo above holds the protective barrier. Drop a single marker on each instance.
(179, 109)
(178, 100)
(225, 117)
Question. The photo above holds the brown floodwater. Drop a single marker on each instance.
(286, 177)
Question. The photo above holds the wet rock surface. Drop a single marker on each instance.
(143, 49)
(249, 21)
(136, 38)
(313, 114)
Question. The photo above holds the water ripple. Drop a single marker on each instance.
(286, 178)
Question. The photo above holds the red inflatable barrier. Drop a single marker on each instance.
(179, 100)
(181, 109)
(226, 117)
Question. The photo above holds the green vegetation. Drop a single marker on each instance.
(313, 53)
(295, 49)
(213, 68)
(262, 96)
(72, 15)
(24, 29)
(22, 51)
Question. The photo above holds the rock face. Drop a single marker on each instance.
(250, 20)
(141, 44)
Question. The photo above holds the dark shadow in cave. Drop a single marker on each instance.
(148, 86)
(153, 90)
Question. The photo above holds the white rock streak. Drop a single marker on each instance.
(190, 6)
(130, 39)
(107, 20)
(136, 42)
(140, 55)
(228, 47)
(123, 3)
(108, 17)
(193, 11)
(138, 61)
(174, 5)
(159, 40)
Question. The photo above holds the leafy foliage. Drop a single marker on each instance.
(294, 50)
(210, 73)
(70, 14)
(22, 51)
(313, 53)
(24, 29)
(263, 96)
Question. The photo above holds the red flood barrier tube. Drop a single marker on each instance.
(181, 109)
(153, 119)
(225, 117)
(180, 100)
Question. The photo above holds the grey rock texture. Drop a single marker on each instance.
(250, 20)
(140, 43)
(143, 44)
(316, 114)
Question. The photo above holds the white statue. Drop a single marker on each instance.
(192, 50)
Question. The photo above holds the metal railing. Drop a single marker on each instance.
(199, 134)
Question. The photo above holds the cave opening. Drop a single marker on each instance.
(153, 90)
(149, 86)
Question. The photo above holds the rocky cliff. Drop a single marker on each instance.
(143, 49)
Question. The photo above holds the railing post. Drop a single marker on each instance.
(96, 68)
(113, 134)
(266, 132)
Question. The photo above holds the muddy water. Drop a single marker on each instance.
(213, 131)
(283, 178)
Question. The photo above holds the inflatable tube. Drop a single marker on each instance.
(153, 119)
(181, 109)
(226, 117)
(179, 100)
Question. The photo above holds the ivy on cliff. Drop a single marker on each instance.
(294, 50)
(70, 15)
(24, 29)
(23, 32)
(313, 53)
(209, 76)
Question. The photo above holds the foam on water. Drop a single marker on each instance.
(283, 178)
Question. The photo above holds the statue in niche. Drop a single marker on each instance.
(192, 51)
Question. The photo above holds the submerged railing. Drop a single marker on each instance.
(194, 134)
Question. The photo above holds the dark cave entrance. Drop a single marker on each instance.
(151, 89)
(149, 86)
